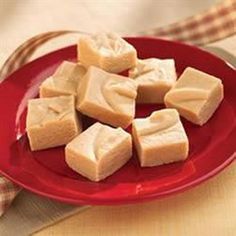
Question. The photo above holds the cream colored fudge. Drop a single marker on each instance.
(160, 138)
(107, 97)
(99, 151)
(51, 122)
(196, 95)
(107, 51)
(155, 78)
(64, 81)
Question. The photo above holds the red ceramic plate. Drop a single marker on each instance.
(212, 147)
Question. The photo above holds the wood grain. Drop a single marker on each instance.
(209, 209)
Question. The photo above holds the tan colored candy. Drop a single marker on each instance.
(64, 81)
(107, 51)
(154, 77)
(196, 95)
(51, 122)
(107, 97)
(99, 151)
(160, 138)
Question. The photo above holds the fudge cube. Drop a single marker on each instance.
(51, 122)
(99, 151)
(64, 81)
(107, 51)
(160, 138)
(107, 97)
(154, 77)
(196, 95)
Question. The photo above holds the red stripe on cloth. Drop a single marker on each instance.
(191, 29)
(8, 191)
(25, 51)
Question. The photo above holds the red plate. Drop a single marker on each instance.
(212, 147)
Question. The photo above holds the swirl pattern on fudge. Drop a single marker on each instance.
(158, 122)
(50, 111)
(112, 89)
(102, 142)
(149, 70)
(109, 44)
(187, 94)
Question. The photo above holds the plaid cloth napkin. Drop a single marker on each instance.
(214, 24)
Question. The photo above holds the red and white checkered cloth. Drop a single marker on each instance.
(211, 25)
(8, 191)
(214, 24)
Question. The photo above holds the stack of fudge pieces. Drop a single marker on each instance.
(92, 87)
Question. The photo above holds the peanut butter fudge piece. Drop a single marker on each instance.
(64, 81)
(107, 97)
(107, 51)
(196, 95)
(99, 151)
(51, 122)
(155, 78)
(160, 138)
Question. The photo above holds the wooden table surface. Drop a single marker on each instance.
(209, 209)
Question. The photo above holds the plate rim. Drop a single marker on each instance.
(133, 199)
